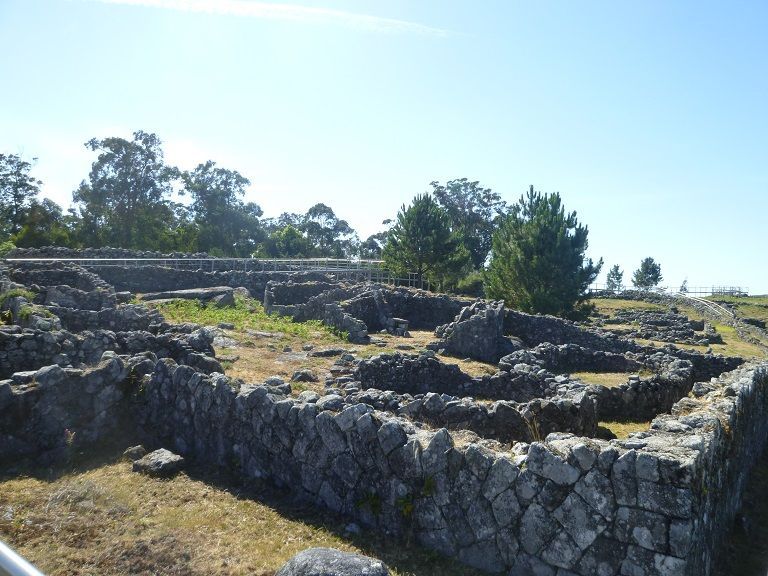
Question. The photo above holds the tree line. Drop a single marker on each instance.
(133, 199)
(459, 237)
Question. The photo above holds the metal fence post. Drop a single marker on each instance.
(11, 564)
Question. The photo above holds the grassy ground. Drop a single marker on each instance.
(622, 430)
(104, 519)
(741, 300)
(107, 520)
(609, 306)
(608, 379)
(732, 345)
(245, 314)
(273, 346)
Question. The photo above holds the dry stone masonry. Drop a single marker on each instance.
(503, 472)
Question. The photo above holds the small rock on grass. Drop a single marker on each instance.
(326, 352)
(135, 452)
(330, 562)
(161, 463)
(305, 375)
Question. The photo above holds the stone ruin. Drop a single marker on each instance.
(505, 471)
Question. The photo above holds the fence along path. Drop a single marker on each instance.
(716, 308)
(692, 291)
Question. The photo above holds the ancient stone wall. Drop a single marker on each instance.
(477, 332)
(652, 504)
(125, 317)
(371, 303)
(656, 503)
(57, 274)
(292, 293)
(502, 420)
(159, 279)
(54, 411)
(324, 306)
(67, 297)
(535, 329)
(26, 350)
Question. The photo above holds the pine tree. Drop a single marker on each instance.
(648, 275)
(422, 242)
(614, 279)
(537, 260)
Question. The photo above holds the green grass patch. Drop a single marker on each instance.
(245, 314)
(746, 306)
(609, 306)
(740, 300)
(15, 293)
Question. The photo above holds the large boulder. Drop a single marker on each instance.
(330, 562)
(478, 333)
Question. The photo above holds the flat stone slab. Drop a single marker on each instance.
(326, 352)
(330, 562)
(160, 463)
(190, 294)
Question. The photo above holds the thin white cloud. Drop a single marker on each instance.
(293, 12)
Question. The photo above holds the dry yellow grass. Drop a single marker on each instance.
(260, 357)
(609, 379)
(733, 344)
(609, 306)
(623, 429)
(111, 521)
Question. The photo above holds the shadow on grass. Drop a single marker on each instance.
(401, 554)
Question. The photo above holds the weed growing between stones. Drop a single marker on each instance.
(15, 293)
(372, 502)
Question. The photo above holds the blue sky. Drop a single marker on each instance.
(650, 118)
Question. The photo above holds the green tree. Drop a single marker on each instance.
(125, 202)
(18, 189)
(648, 275)
(538, 261)
(372, 247)
(331, 237)
(613, 281)
(285, 242)
(224, 223)
(474, 212)
(44, 224)
(422, 242)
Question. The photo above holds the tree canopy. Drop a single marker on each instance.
(125, 200)
(473, 212)
(538, 261)
(421, 242)
(18, 190)
(647, 275)
(133, 199)
(223, 222)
